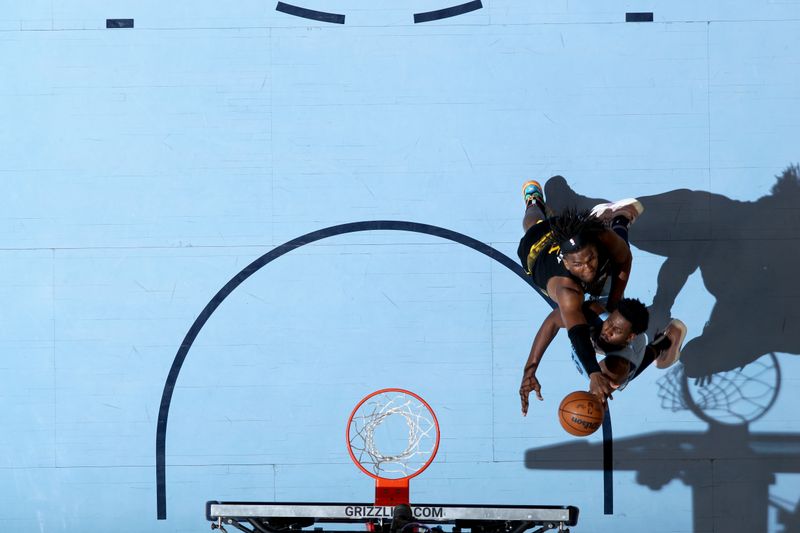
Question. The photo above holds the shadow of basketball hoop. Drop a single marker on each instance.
(745, 253)
(736, 398)
(730, 397)
(728, 468)
(729, 376)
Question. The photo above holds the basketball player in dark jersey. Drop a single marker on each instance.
(619, 340)
(577, 253)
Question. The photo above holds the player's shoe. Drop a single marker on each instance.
(629, 208)
(676, 333)
(532, 191)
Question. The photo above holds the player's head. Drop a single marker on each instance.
(629, 319)
(575, 232)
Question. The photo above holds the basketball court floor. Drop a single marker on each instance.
(227, 224)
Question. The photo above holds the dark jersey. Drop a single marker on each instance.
(542, 261)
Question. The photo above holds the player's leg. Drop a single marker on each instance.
(649, 356)
(628, 208)
(533, 195)
(665, 349)
(669, 344)
(619, 215)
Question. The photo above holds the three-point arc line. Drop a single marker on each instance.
(275, 253)
(336, 18)
(311, 14)
(447, 12)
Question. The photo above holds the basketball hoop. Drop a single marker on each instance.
(392, 436)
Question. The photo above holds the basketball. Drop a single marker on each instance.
(581, 413)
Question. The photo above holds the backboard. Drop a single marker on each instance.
(274, 517)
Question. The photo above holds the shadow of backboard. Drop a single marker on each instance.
(728, 469)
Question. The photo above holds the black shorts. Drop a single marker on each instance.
(532, 244)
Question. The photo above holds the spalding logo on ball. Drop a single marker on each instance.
(581, 413)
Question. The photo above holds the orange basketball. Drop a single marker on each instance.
(581, 413)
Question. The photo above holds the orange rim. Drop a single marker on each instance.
(350, 423)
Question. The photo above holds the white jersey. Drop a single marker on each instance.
(632, 352)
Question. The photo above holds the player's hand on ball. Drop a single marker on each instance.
(600, 386)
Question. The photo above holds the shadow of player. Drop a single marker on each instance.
(747, 253)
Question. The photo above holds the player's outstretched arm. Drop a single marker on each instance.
(570, 302)
(547, 332)
(621, 262)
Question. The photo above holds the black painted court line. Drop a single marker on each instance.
(252, 268)
(639, 17)
(308, 238)
(305, 13)
(608, 464)
(447, 12)
(119, 23)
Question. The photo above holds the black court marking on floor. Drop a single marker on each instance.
(119, 23)
(639, 17)
(275, 253)
(447, 12)
(608, 465)
(305, 13)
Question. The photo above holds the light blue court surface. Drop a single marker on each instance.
(142, 169)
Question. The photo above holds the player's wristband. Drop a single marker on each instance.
(582, 344)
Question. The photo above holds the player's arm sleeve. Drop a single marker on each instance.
(579, 336)
(592, 317)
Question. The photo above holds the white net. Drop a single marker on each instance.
(393, 435)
